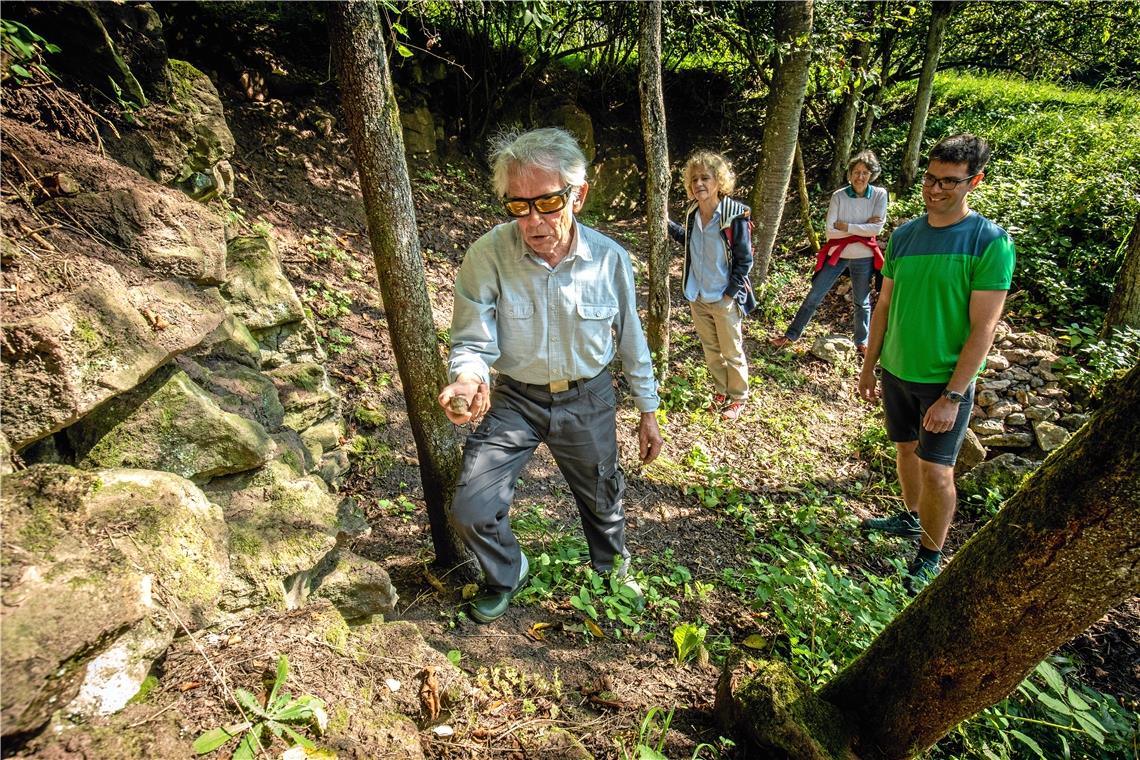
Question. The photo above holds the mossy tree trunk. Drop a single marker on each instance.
(1124, 307)
(372, 120)
(1061, 552)
(939, 18)
(793, 21)
(657, 190)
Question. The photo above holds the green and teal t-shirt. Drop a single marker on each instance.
(934, 270)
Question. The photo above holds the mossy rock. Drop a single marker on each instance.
(110, 544)
(258, 292)
(230, 342)
(171, 424)
(281, 526)
(306, 394)
(290, 343)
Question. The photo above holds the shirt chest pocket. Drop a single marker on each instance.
(594, 334)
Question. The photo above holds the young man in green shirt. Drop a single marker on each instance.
(945, 278)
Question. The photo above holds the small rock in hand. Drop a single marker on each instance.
(458, 404)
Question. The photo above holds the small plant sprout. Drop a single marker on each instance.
(279, 714)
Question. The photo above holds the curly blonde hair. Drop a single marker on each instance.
(716, 164)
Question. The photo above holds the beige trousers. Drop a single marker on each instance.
(718, 326)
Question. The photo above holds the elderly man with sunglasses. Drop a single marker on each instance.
(547, 303)
(945, 277)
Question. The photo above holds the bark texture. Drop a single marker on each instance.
(657, 190)
(1063, 550)
(372, 120)
(793, 22)
(939, 18)
(805, 201)
(1124, 307)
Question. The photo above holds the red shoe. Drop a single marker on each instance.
(717, 404)
(732, 411)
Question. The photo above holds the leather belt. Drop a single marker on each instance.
(557, 386)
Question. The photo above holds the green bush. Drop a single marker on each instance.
(1063, 180)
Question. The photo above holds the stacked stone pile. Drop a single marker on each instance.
(1019, 401)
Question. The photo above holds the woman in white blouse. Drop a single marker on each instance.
(855, 216)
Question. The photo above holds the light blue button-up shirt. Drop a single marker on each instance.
(538, 324)
(708, 261)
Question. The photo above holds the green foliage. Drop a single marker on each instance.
(689, 639)
(24, 53)
(1063, 180)
(657, 721)
(324, 245)
(1050, 715)
(401, 507)
(278, 715)
(1098, 361)
(686, 388)
(328, 301)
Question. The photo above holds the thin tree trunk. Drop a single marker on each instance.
(940, 17)
(1048, 566)
(1124, 307)
(805, 202)
(782, 125)
(845, 129)
(373, 122)
(657, 191)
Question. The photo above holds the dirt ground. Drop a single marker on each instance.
(304, 184)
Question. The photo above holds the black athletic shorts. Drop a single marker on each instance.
(905, 404)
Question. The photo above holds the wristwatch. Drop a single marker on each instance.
(954, 396)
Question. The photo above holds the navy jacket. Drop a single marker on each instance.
(736, 232)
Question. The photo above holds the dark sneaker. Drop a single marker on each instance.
(493, 604)
(903, 524)
(920, 573)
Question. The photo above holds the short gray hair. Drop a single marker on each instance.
(549, 149)
(868, 159)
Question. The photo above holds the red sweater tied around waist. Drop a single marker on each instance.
(833, 248)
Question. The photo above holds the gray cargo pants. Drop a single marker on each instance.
(579, 427)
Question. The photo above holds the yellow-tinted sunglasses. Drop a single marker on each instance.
(543, 204)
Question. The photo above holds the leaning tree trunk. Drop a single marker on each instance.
(781, 127)
(373, 122)
(1060, 553)
(1052, 561)
(657, 191)
(1124, 307)
(849, 109)
(939, 18)
(805, 201)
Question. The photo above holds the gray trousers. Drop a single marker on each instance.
(579, 427)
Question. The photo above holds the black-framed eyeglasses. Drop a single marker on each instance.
(550, 203)
(944, 183)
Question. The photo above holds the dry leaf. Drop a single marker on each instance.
(434, 582)
(594, 629)
(188, 685)
(755, 641)
(538, 630)
(429, 693)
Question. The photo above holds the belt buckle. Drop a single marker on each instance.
(559, 385)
